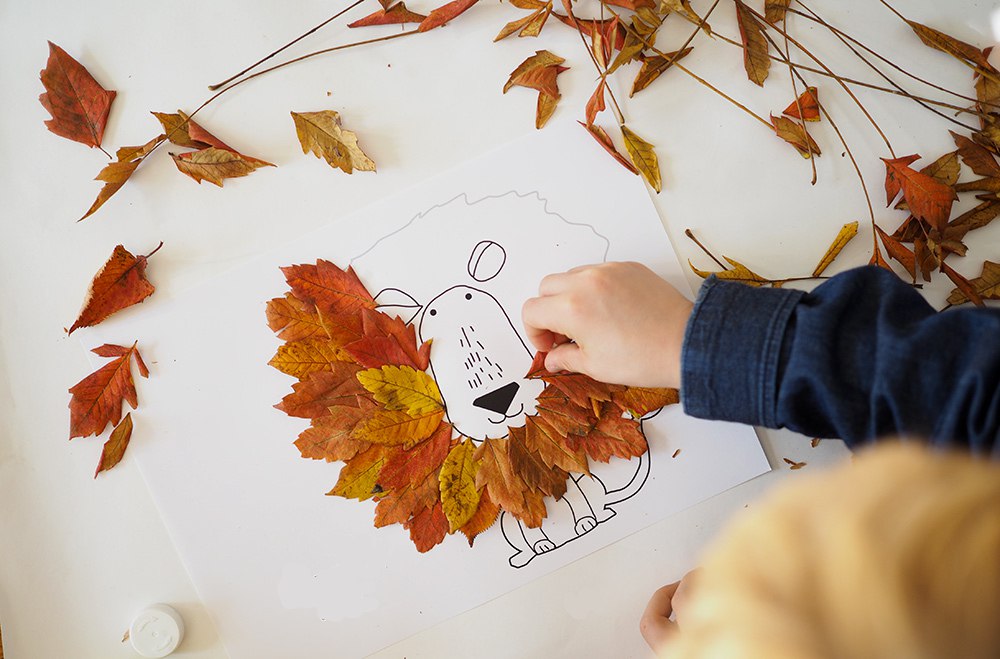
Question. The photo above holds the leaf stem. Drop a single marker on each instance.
(286, 46)
(690, 234)
(155, 250)
(603, 72)
(798, 103)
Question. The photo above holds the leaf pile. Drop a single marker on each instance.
(363, 383)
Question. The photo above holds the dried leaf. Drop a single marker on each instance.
(557, 410)
(402, 388)
(683, 7)
(395, 15)
(976, 157)
(809, 102)
(774, 10)
(459, 496)
(114, 448)
(293, 320)
(640, 401)
(740, 273)
(545, 109)
(584, 391)
(329, 437)
(306, 356)
(415, 465)
(756, 59)
(596, 102)
(632, 5)
(117, 173)
(635, 40)
(485, 516)
(333, 291)
(947, 44)
(388, 341)
(653, 67)
(216, 165)
(610, 29)
(97, 399)
(358, 477)
(445, 13)
(604, 140)
(120, 283)
(963, 284)
(987, 285)
(898, 252)
(537, 72)
(552, 446)
(400, 505)
(320, 132)
(795, 134)
(926, 198)
(78, 104)
(529, 26)
(847, 232)
(505, 485)
(613, 437)
(643, 157)
(392, 428)
(428, 528)
(537, 476)
(316, 393)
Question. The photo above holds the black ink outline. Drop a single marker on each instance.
(472, 267)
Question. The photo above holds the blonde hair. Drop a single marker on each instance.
(896, 555)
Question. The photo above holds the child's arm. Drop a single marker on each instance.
(860, 357)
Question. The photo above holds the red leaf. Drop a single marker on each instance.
(410, 500)
(332, 290)
(614, 436)
(428, 528)
(329, 436)
(397, 14)
(808, 101)
(97, 399)
(927, 199)
(78, 104)
(119, 284)
(114, 448)
(409, 467)
(604, 140)
(445, 13)
(897, 251)
(596, 103)
(314, 395)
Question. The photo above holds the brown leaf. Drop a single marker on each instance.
(604, 140)
(964, 285)
(557, 410)
(398, 506)
(445, 13)
(987, 285)
(643, 157)
(537, 72)
(552, 447)
(119, 284)
(78, 104)
(329, 437)
(535, 474)
(579, 388)
(114, 448)
(320, 132)
(529, 26)
(596, 102)
(774, 10)
(396, 14)
(313, 396)
(614, 436)
(215, 165)
(683, 7)
(97, 399)
(795, 134)
(653, 67)
(505, 485)
(847, 232)
(756, 59)
(115, 174)
(926, 198)
(947, 44)
(809, 102)
(635, 41)
(976, 157)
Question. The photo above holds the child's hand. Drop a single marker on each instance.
(616, 322)
(669, 601)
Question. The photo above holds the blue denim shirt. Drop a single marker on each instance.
(860, 357)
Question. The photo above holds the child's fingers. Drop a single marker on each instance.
(655, 624)
(565, 357)
(543, 318)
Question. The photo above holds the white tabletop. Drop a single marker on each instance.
(81, 557)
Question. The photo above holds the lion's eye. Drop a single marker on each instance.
(468, 296)
(434, 312)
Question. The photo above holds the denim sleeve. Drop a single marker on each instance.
(861, 357)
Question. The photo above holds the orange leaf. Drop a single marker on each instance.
(445, 13)
(216, 165)
(557, 410)
(898, 251)
(809, 102)
(78, 104)
(398, 506)
(640, 401)
(332, 290)
(301, 358)
(927, 199)
(756, 60)
(293, 320)
(614, 436)
(416, 464)
(388, 341)
(530, 467)
(114, 448)
(486, 515)
(609, 29)
(119, 284)
(358, 478)
(397, 14)
(596, 102)
(529, 26)
(551, 446)
(795, 134)
(579, 388)
(428, 528)
(329, 437)
(537, 72)
(313, 396)
(97, 399)
(116, 174)
(505, 485)
(653, 67)
(604, 140)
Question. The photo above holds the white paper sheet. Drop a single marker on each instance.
(286, 570)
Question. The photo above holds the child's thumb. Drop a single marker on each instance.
(565, 357)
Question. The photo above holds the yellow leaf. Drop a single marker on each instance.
(320, 132)
(546, 107)
(215, 165)
(459, 495)
(392, 428)
(847, 232)
(359, 476)
(643, 157)
(402, 388)
(795, 134)
(740, 273)
(300, 358)
(986, 285)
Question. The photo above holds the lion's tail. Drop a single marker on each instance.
(631, 488)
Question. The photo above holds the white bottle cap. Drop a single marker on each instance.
(156, 631)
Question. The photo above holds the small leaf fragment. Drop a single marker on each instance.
(114, 448)
(847, 232)
(321, 133)
(774, 10)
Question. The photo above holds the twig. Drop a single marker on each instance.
(690, 234)
(286, 46)
(798, 103)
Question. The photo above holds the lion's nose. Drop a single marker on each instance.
(498, 400)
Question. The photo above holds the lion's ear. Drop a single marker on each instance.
(396, 302)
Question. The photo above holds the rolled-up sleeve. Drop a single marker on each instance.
(860, 357)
